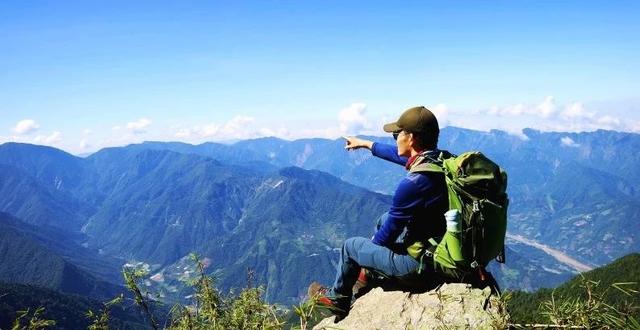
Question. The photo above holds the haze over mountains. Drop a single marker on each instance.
(282, 208)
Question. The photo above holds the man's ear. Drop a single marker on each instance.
(412, 140)
(415, 142)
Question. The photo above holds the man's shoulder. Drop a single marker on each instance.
(423, 180)
(424, 175)
(418, 185)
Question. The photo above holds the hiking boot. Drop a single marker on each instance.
(338, 306)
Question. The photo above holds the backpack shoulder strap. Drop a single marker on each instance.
(426, 167)
(430, 164)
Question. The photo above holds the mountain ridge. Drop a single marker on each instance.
(245, 203)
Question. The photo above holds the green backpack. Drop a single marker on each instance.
(477, 189)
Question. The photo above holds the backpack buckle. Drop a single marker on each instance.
(428, 253)
(476, 206)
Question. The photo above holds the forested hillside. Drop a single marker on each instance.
(527, 307)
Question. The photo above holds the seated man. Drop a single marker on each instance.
(418, 208)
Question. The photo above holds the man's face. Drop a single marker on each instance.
(404, 144)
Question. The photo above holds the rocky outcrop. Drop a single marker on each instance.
(451, 306)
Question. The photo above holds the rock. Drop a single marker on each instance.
(451, 306)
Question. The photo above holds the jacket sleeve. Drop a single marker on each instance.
(388, 152)
(406, 198)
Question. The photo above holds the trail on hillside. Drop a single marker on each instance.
(558, 255)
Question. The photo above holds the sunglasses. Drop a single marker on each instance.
(396, 134)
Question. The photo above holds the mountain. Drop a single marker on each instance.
(574, 191)
(607, 151)
(26, 257)
(524, 307)
(275, 206)
(37, 184)
(158, 206)
(163, 203)
(28, 198)
(312, 154)
(310, 214)
(580, 210)
(167, 205)
(529, 268)
(53, 168)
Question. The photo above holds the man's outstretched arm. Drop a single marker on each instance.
(380, 150)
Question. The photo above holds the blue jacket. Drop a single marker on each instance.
(419, 203)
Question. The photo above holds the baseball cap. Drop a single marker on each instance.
(415, 120)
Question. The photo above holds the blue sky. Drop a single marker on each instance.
(89, 74)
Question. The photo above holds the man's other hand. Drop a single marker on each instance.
(353, 143)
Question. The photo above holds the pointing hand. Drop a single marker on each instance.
(353, 143)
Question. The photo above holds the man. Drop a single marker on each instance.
(418, 208)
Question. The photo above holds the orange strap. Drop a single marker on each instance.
(482, 273)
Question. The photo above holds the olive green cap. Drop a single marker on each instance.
(415, 120)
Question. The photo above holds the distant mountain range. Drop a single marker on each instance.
(584, 183)
(158, 206)
(282, 208)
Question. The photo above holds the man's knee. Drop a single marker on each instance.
(353, 244)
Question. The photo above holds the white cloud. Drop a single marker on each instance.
(84, 144)
(267, 132)
(576, 110)
(87, 131)
(517, 132)
(331, 132)
(183, 133)
(547, 108)
(239, 127)
(352, 119)
(53, 138)
(139, 126)
(568, 142)
(209, 130)
(441, 111)
(26, 126)
(609, 122)
(514, 110)
(116, 128)
(545, 116)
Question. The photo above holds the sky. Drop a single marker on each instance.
(83, 75)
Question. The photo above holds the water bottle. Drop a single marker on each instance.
(452, 236)
(453, 220)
